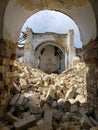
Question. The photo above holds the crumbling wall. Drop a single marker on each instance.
(90, 54)
(7, 69)
(29, 52)
(35, 41)
(70, 48)
(55, 91)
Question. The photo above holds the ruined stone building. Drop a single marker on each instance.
(13, 14)
(50, 52)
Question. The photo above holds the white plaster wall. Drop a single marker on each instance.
(16, 15)
(59, 39)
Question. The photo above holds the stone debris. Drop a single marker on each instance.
(14, 99)
(85, 122)
(49, 101)
(25, 122)
(94, 128)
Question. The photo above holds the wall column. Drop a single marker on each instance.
(70, 47)
(29, 52)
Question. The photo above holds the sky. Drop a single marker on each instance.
(53, 21)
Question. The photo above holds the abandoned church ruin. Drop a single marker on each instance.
(32, 95)
(48, 51)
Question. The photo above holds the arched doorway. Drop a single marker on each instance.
(51, 59)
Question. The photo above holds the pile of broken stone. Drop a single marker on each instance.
(43, 101)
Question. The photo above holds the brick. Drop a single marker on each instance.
(7, 81)
(11, 61)
(5, 61)
(4, 69)
(8, 75)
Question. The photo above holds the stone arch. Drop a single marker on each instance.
(45, 43)
(23, 10)
(53, 62)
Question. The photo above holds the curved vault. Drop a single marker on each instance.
(41, 45)
(18, 11)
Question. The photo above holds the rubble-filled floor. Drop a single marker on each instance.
(43, 101)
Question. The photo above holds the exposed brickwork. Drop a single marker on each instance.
(91, 58)
(7, 56)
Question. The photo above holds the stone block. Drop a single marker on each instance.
(67, 105)
(85, 122)
(93, 121)
(46, 107)
(44, 126)
(11, 62)
(40, 122)
(48, 120)
(35, 109)
(68, 126)
(57, 115)
(54, 104)
(14, 99)
(16, 88)
(11, 118)
(51, 93)
(74, 108)
(61, 103)
(7, 81)
(5, 61)
(24, 123)
(20, 100)
(23, 83)
(70, 93)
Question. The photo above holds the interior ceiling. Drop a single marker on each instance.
(31, 3)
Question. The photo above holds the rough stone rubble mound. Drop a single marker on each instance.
(43, 101)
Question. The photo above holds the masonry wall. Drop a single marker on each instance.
(7, 71)
(62, 41)
(90, 54)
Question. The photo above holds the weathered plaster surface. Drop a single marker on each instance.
(30, 4)
(60, 39)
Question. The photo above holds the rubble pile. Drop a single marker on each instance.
(49, 101)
